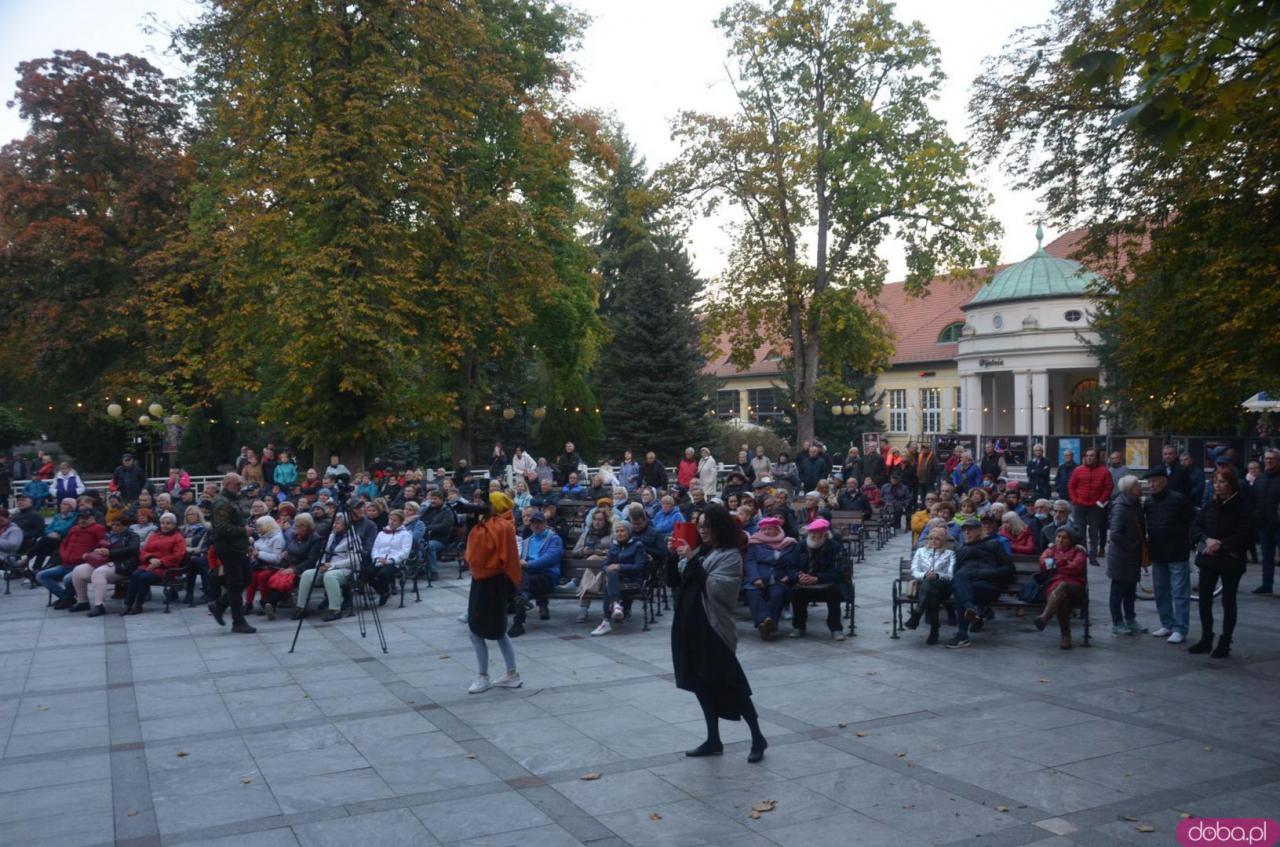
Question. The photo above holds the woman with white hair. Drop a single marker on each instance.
(708, 473)
(265, 556)
(1125, 532)
(164, 551)
(1022, 541)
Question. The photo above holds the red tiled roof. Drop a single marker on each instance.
(916, 321)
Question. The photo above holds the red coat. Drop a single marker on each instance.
(1089, 485)
(80, 540)
(1024, 544)
(1069, 567)
(686, 471)
(170, 549)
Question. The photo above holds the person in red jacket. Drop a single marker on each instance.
(686, 470)
(83, 536)
(165, 550)
(1089, 492)
(1063, 565)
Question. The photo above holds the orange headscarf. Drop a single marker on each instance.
(492, 550)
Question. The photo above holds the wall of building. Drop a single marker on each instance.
(907, 378)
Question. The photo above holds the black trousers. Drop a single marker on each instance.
(932, 594)
(802, 595)
(1209, 577)
(236, 573)
(536, 587)
(380, 577)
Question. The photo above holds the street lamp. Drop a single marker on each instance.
(114, 410)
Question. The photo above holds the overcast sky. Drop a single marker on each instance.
(644, 60)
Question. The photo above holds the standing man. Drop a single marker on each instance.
(567, 463)
(983, 568)
(130, 479)
(231, 542)
(1168, 516)
(1089, 491)
(1266, 500)
(926, 472)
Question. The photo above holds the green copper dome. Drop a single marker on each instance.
(1040, 276)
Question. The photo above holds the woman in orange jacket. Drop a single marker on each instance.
(494, 561)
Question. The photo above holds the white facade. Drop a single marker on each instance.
(1021, 365)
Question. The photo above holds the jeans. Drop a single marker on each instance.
(1267, 539)
(1172, 584)
(537, 587)
(767, 602)
(1122, 596)
(52, 579)
(971, 594)
(1090, 521)
(140, 583)
(800, 597)
(434, 548)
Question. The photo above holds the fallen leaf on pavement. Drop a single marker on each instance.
(842, 724)
(861, 734)
(1002, 808)
(1129, 818)
(42, 708)
(587, 777)
(764, 806)
(246, 780)
(1043, 679)
(902, 755)
(471, 755)
(133, 813)
(1145, 827)
(655, 817)
(182, 754)
(755, 816)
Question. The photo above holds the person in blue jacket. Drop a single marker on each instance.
(625, 562)
(967, 475)
(771, 555)
(540, 556)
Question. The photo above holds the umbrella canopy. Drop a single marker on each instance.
(1262, 402)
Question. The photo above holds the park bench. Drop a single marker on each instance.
(1026, 569)
(646, 589)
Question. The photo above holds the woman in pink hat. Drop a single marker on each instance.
(771, 554)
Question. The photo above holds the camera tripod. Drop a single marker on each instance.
(360, 588)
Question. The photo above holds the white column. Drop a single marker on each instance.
(971, 398)
(1040, 397)
(1020, 411)
(743, 414)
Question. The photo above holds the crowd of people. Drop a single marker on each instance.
(271, 535)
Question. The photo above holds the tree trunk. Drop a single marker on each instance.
(805, 371)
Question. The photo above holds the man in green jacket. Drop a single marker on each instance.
(231, 542)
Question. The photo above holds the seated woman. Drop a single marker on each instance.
(922, 517)
(523, 498)
(1022, 540)
(596, 538)
(649, 499)
(625, 562)
(390, 550)
(56, 529)
(814, 508)
(770, 555)
(109, 564)
(336, 564)
(872, 491)
(115, 507)
(1065, 566)
(301, 552)
(195, 534)
(932, 567)
(162, 553)
(264, 556)
(144, 524)
(667, 516)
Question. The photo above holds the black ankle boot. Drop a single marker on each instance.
(1204, 645)
(913, 621)
(758, 746)
(1223, 649)
(706, 748)
(933, 635)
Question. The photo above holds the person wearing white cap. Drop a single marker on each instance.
(816, 575)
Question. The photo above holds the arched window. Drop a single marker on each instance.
(951, 334)
(1083, 413)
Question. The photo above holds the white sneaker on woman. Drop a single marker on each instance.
(1177, 638)
(511, 680)
(603, 629)
(618, 613)
(481, 684)
(1162, 632)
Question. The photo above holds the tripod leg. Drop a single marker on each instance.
(302, 609)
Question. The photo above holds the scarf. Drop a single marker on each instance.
(782, 542)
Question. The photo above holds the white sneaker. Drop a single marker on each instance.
(603, 629)
(511, 680)
(1177, 638)
(838, 635)
(571, 585)
(1162, 632)
(462, 618)
(481, 684)
(582, 615)
(618, 614)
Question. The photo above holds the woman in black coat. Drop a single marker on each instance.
(1223, 533)
(1038, 472)
(707, 579)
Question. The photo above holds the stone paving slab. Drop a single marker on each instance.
(166, 730)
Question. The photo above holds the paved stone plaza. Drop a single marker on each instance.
(164, 729)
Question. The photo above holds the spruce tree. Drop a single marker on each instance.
(648, 378)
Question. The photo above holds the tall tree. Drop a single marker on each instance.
(649, 375)
(386, 200)
(86, 197)
(1154, 123)
(832, 150)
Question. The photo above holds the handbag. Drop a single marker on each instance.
(913, 589)
(1032, 590)
(591, 582)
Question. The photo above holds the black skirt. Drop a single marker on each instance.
(703, 663)
(487, 606)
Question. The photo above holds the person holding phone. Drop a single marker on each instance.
(1064, 569)
(703, 639)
